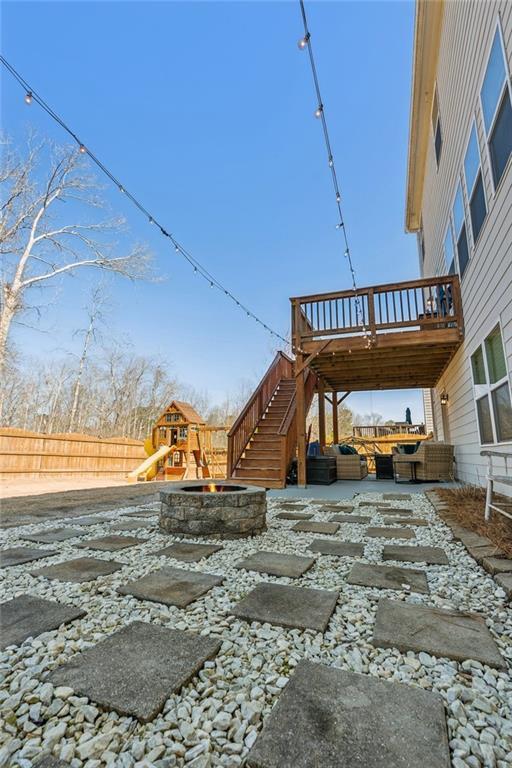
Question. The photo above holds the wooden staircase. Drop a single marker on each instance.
(263, 440)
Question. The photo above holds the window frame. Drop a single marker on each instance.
(435, 122)
(449, 230)
(455, 234)
(507, 85)
(486, 390)
(470, 192)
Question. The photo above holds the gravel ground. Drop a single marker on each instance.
(214, 720)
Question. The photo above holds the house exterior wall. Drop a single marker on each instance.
(467, 33)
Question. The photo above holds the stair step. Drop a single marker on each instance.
(264, 482)
(263, 473)
(264, 462)
(270, 429)
(260, 453)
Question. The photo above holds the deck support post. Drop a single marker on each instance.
(335, 433)
(301, 424)
(321, 414)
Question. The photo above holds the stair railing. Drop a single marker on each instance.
(243, 428)
(288, 429)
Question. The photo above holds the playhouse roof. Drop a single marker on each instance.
(189, 412)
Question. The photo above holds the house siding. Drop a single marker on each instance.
(486, 287)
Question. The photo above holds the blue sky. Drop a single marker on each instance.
(205, 111)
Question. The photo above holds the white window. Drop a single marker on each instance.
(436, 127)
(460, 232)
(449, 254)
(496, 101)
(474, 185)
(492, 390)
(183, 433)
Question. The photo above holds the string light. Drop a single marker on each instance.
(305, 42)
(197, 267)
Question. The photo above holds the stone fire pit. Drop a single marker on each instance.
(219, 509)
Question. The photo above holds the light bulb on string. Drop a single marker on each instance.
(302, 43)
(28, 97)
(331, 162)
(319, 110)
(338, 198)
(82, 149)
(211, 284)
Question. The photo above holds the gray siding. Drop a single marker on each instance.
(468, 30)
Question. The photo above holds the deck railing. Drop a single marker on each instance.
(382, 430)
(243, 428)
(426, 304)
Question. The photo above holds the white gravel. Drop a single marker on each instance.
(215, 719)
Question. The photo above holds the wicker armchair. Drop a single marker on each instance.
(435, 462)
(350, 467)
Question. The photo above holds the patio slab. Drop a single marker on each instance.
(171, 586)
(188, 551)
(291, 505)
(307, 527)
(397, 496)
(51, 537)
(374, 504)
(418, 521)
(79, 570)
(20, 555)
(408, 554)
(402, 511)
(329, 718)
(136, 669)
(48, 761)
(337, 548)
(390, 533)
(388, 577)
(357, 519)
(276, 564)
(28, 616)
(143, 513)
(497, 564)
(111, 543)
(294, 516)
(458, 636)
(90, 520)
(284, 606)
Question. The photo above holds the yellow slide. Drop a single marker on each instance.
(147, 464)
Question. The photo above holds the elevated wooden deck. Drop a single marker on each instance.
(404, 336)
(394, 336)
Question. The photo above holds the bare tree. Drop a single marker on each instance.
(95, 316)
(42, 239)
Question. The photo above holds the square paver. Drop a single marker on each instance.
(276, 564)
(136, 669)
(28, 616)
(374, 504)
(142, 514)
(397, 496)
(455, 635)
(337, 548)
(312, 527)
(50, 537)
(132, 525)
(359, 519)
(111, 543)
(337, 508)
(188, 551)
(20, 555)
(285, 606)
(388, 577)
(418, 521)
(91, 520)
(330, 718)
(403, 512)
(291, 505)
(390, 533)
(171, 586)
(79, 570)
(408, 554)
(294, 516)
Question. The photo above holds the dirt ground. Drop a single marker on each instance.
(56, 503)
(32, 486)
(468, 504)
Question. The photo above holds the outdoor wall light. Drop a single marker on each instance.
(444, 398)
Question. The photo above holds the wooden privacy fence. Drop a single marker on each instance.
(34, 454)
